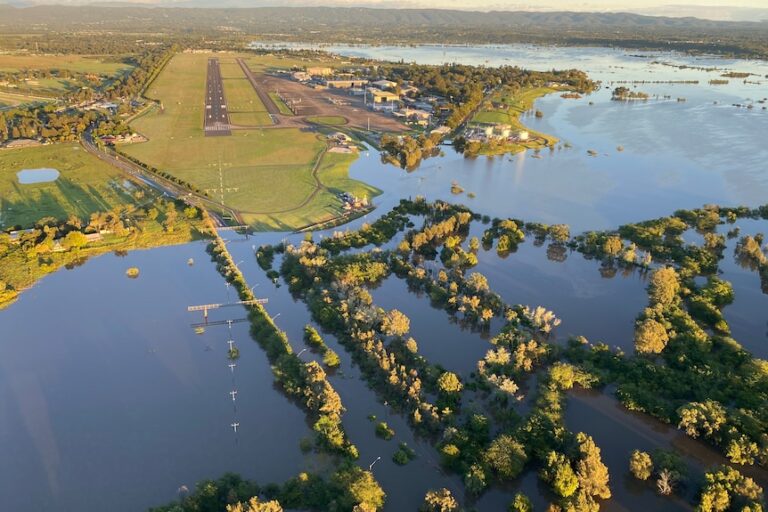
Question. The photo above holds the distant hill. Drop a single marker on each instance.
(376, 26)
(304, 17)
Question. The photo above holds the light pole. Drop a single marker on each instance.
(370, 468)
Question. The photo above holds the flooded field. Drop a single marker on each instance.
(114, 400)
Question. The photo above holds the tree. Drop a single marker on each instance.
(664, 286)
(191, 212)
(641, 465)
(478, 282)
(591, 472)
(559, 473)
(395, 323)
(475, 479)
(254, 505)
(741, 450)
(650, 337)
(725, 485)
(170, 218)
(440, 500)
(449, 383)
(612, 246)
(521, 503)
(560, 233)
(702, 418)
(666, 482)
(359, 488)
(506, 457)
(74, 240)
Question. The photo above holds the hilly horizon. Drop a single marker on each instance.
(705, 12)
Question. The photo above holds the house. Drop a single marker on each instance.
(521, 136)
(301, 76)
(340, 137)
(92, 237)
(384, 84)
(441, 130)
(345, 83)
(319, 71)
(416, 114)
(379, 96)
(15, 236)
(497, 131)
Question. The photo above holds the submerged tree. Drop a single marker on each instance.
(641, 465)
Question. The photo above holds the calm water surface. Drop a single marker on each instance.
(31, 176)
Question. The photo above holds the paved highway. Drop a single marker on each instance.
(216, 114)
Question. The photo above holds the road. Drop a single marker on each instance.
(216, 121)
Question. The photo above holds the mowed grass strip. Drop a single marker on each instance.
(85, 185)
(13, 99)
(244, 105)
(325, 205)
(327, 120)
(281, 106)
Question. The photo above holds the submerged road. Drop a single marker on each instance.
(216, 114)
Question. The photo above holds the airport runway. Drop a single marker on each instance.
(216, 114)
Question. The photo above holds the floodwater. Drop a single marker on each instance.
(618, 432)
(748, 315)
(108, 398)
(31, 176)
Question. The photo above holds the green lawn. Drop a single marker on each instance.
(327, 120)
(78, 63)
(86, 185)
(268, 171)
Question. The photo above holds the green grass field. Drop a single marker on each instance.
(77, 63)
(281, 106)
(245, 107)
(327, 120)
(271, 169)
(86, 185)
(265, 63)
(12, 99)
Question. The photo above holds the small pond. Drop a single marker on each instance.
(42, 175)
